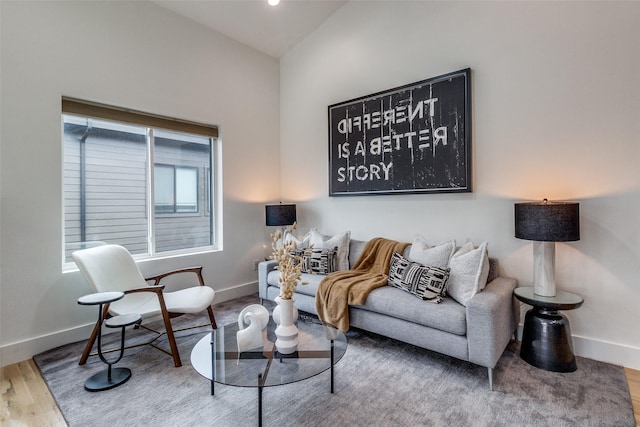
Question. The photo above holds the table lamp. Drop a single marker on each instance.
(545, 223)
(280, 215)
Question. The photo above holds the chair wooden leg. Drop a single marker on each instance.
(89, 346)
(212, 318)
(172, 340)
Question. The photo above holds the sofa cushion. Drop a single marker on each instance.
(425, 282)
(357, 246)
(448, 316)
(311, 280)
(494, 270)
(355, 249)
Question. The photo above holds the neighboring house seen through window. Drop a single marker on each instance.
(176, 189)
(148, 188)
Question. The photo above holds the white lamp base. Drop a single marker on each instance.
(544, 281)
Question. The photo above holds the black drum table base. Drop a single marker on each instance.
(101, 380)
(546, 341)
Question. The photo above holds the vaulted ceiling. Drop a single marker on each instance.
(273, 30)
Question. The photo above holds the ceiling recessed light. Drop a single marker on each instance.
(273, 2)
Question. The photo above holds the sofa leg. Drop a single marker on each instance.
(490, 371)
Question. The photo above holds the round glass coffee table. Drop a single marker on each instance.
(216, 357)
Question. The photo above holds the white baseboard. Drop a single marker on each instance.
(616, 354)
(236, 292)
(23, 350)
(603, 351)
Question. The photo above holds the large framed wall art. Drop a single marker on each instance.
(411, 139)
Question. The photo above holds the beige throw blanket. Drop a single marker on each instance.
(351, 287)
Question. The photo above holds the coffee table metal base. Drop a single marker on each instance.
(278, 357)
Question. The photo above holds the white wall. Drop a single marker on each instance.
(137, 55)
(556, 114)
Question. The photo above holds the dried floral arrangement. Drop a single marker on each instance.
(290, 266)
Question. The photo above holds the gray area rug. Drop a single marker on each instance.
(379, 382)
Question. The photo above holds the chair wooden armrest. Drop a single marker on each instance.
(154, 288)
(196, 270)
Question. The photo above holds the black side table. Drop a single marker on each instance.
(546, 336)
(109, 378)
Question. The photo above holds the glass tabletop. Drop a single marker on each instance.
(244, 369)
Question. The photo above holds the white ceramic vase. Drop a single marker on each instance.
(276, 312)
(287, 331)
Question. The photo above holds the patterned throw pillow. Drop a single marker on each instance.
(317, 261)
(427, 283)
(340, 241)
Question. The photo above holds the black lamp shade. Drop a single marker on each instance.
(278, 215)
(548, 221)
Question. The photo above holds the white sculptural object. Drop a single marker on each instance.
(249, 338)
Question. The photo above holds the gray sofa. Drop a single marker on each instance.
(478, 333)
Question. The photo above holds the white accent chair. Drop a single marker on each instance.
(112, 268)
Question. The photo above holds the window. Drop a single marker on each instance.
(176, 189)
(148, 186)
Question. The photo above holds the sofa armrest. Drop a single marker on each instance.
(491, 321)
(264, 268)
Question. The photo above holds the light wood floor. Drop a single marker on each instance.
(633, 378)
(26, 400)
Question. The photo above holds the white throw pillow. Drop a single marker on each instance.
(341, 241)
(469, 271)
(300, 243)
(432, 256)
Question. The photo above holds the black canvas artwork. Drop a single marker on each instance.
(411, 139)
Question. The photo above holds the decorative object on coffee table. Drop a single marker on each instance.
(276, 311)
(249, 338)
(545, 223)
(290, 266)
(287, 331)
